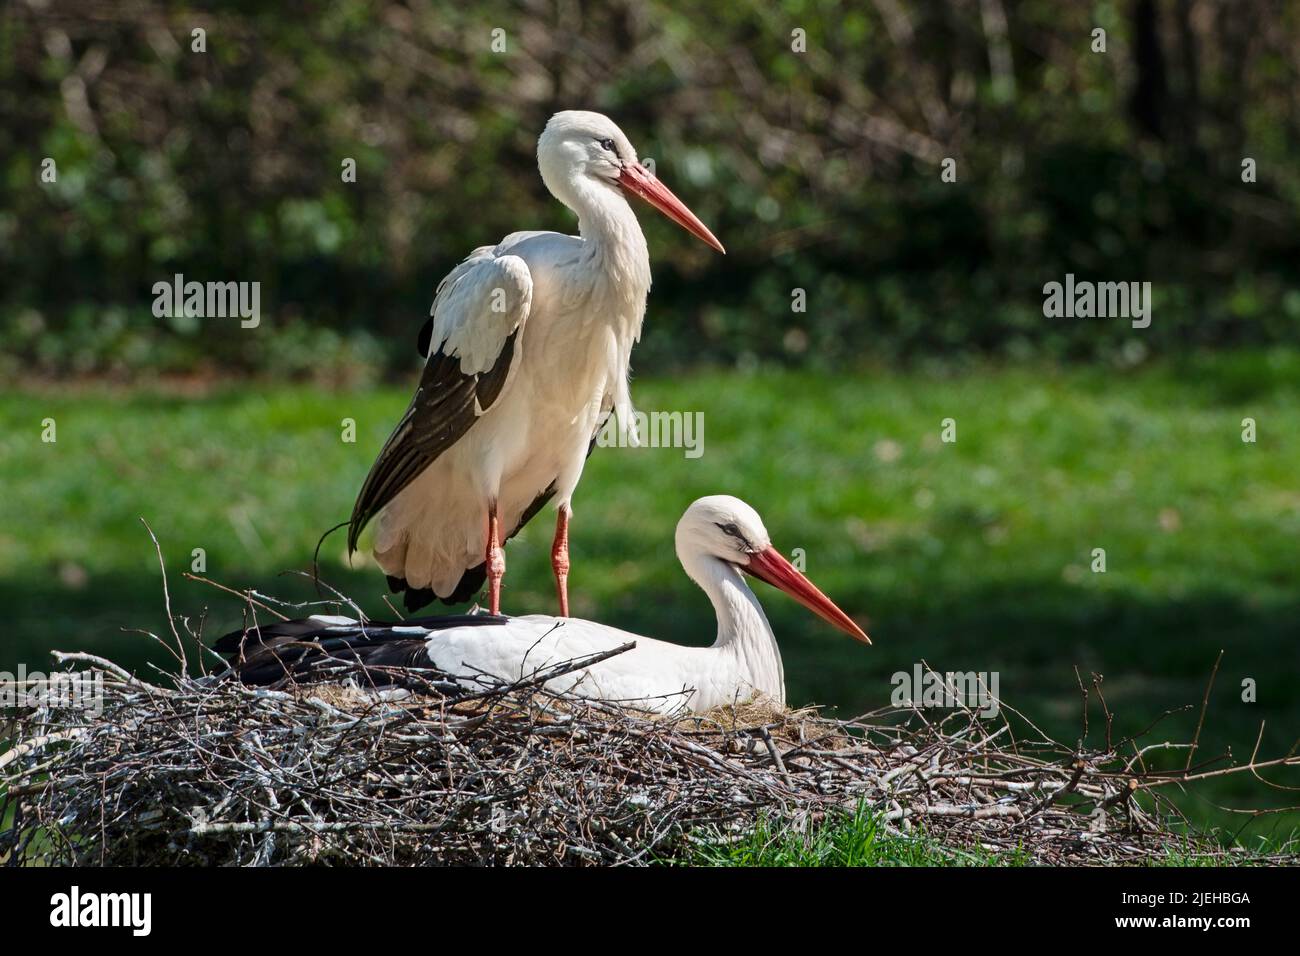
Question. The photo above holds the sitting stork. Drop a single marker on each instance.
(527, 350)
(720, 539)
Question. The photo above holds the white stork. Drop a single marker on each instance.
(527, 352)
(719, 540)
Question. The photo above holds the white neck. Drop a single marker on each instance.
(743, 628)
(610, 227)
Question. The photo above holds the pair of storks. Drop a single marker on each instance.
(527, 354)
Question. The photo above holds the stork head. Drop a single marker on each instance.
(580, 148)
(726, 529)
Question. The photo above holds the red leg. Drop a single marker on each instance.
(496, 561)
(560, 559)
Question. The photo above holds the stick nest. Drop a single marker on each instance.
(203, 770)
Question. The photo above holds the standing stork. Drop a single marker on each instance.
(527, 351)
(719, 540)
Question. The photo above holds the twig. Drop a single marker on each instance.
(1205, 704)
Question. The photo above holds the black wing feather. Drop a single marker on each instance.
(446, 404)
(303, 650)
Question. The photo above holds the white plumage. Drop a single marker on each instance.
(719, 539)
(528, 352)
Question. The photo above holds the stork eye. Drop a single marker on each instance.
(608, 144)
(731, 531)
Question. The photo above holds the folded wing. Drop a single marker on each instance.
(474, 344)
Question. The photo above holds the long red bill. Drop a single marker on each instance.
(771, 566)
(639, 181)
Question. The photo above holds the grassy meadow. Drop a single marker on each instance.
(972, 555)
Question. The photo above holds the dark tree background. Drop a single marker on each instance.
(819, 170)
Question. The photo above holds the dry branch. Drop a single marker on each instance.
(210, 772)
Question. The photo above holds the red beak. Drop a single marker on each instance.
(638, 180)
(770, 566)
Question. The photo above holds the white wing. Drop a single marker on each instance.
(653, 675)
(473, 347)
(478, 307)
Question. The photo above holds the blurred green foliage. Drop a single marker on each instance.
(819, 170)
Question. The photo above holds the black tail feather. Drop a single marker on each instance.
(415, 598)
(311, 649)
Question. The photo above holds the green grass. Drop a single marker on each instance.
(853, 839)
(973, 555)
(1250, 852)
(861, 839)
